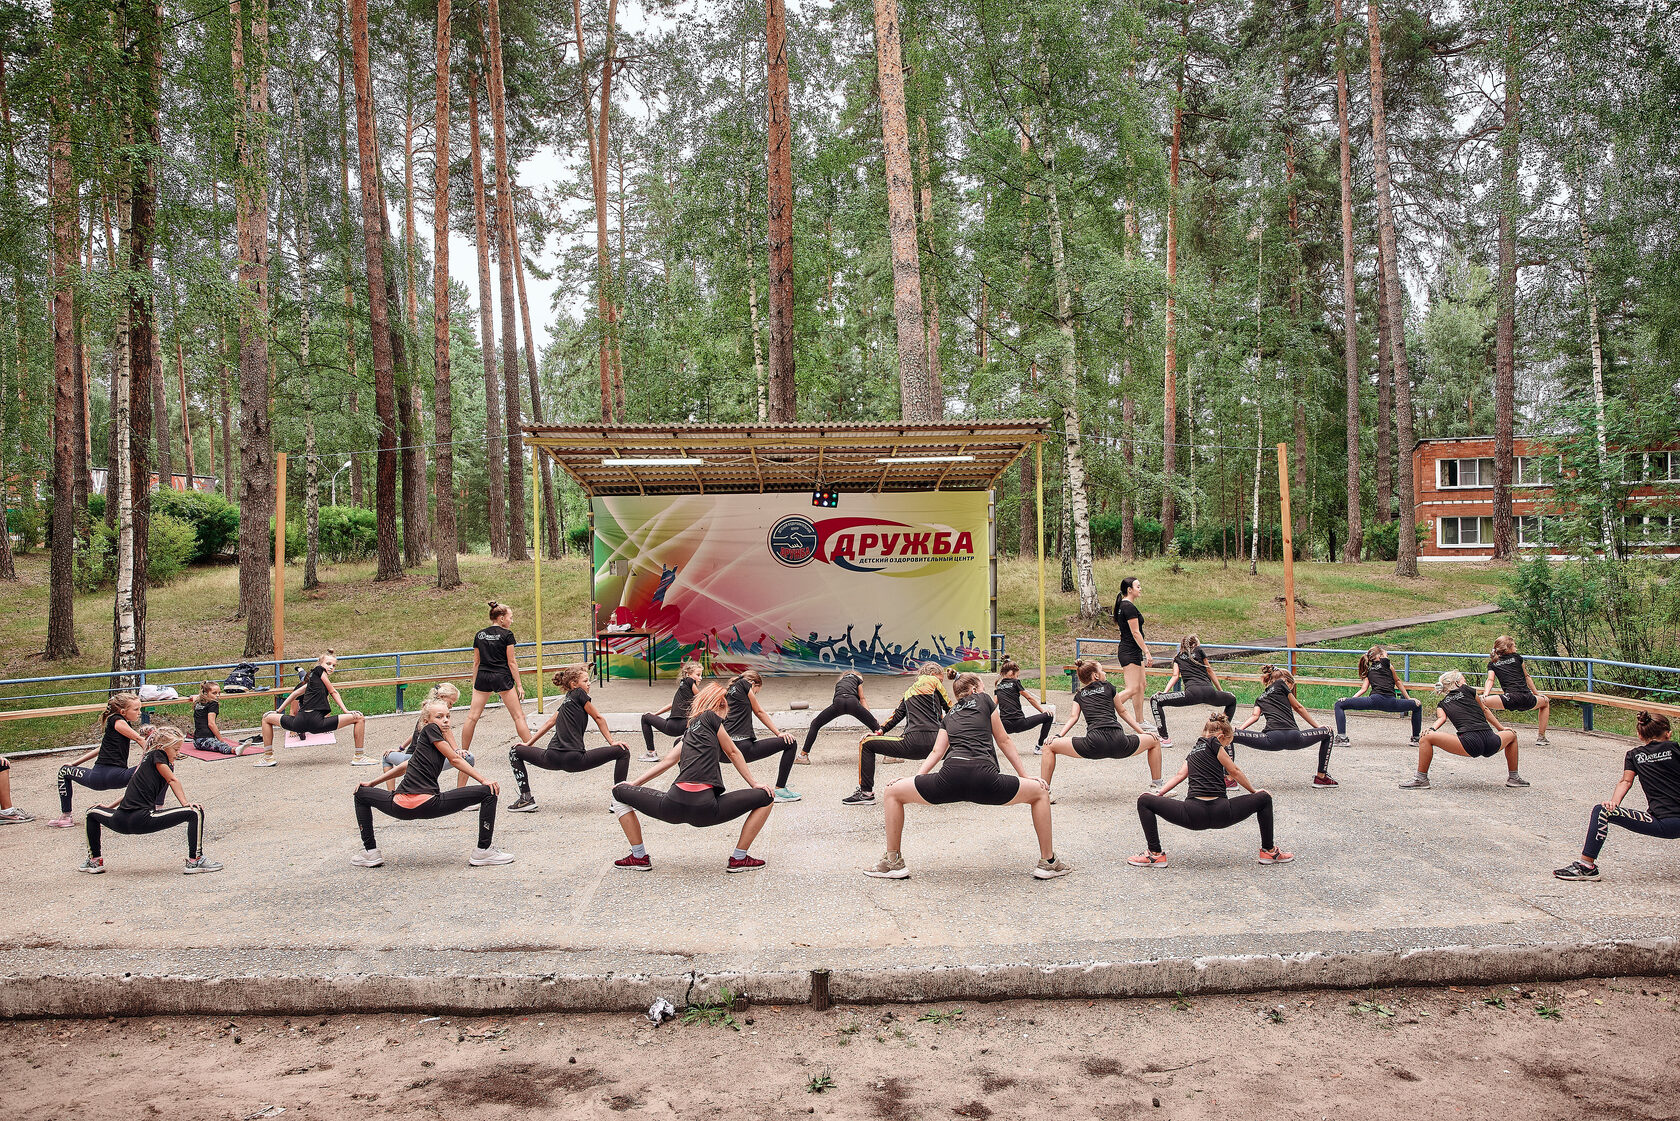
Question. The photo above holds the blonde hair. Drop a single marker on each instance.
(432, 709)
(709, 697)
(572, 677)
(1370, 657)
(166, 735)
(1284, 676)
(965, 684)
(1189, 645)
(1449, 681)
(1502, 645)
(691, 667)
(116, 704)
(750, 676)
(205, 688)
(329, 656)
(498, 610)
(445, 691)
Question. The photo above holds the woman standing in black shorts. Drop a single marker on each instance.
(970, 774)
(742, 697)
(1134, 651)
(1476, 739)
(920, 711)
(848, 701)
(1279, 705)
(1008, 693)
(315, 698)
(1517, 692)
(141, 809)
(697, 798)
(1210, 769)
(688, 680)
(566, 751)
(496, 674)
(1197, 684)
(1104, 738)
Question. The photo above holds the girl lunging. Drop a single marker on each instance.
(922, 708)
(1656, 767)
(110, 770)
(1197, 684)
(742, 695)
(315, 698)
(446, 692)
(565, 752)
(1480, 734)
(140, 810)
(1279, 705)
(496, 674)
(1517, 693)
(1104, 738)
(688, 680)
(848, 701)
(1008, 694)
(1377, 693)
(1209, 768)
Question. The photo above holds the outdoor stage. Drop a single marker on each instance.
(290, 925)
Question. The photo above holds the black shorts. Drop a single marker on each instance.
(1517, 702)
(980, 783)
(1481, 743)
(1106, 743)
(309, 723)
(492, 682)
(1127, 658)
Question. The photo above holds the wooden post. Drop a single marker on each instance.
(1288, 551)
(536, 568)
(1043, 667)
(279, 565)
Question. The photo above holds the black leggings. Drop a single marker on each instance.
(699, 808)
(370, 798)
(559, 759)
(1199, 814)
(136, 822)
(916, 745)
(1187, 695)
(1598, 828)
(1039, 720)
(848, 707)
(307, 723)
(1379, 703)
(94, 778)
(754, 750)
(1290, 739)
(652, 724)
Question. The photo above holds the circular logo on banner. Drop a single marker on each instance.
(793, 540)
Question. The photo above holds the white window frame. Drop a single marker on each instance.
(1458, 530)
(1441, 472)
(1651, 529)
(1539, 542)
(1516, 473)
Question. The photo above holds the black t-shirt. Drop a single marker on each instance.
(314, 697)
(1658, 768)
(1192, 668)
(923, 707)
(1008, 692)
(492, 645)
(702, 757)
(739, 721)
(683, 699)
(1380, 675)
(846, 689)
(148, 782)
(113, 745)
(1508, 668)
(1124, 612)
(1096, 704)
(570, 720)
(1275, 707)
(1464, 710)
(1207, 773)
(201, 718)
(425, 764)
(969, 727)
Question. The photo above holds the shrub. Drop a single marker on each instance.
(171, 544)
(1382, 540)
(95, 560)
(1598, 607)
(578, 536)
(214, 520)
(28, 522)
(347, 534)
(96, 506)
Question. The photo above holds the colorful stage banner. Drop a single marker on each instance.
(877, 584)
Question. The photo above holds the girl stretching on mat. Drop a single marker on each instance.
(1279, 705)
(1517, 692)
(1476, 739)
(1210, 769)
(970, 774)
(1104, 738)
(496, 674)
(140, 810)
(446, 692)
(697, 798)
(418, 796)
(1656, 767)
(1377, 693)
(1134, 651)
(848, 701)
(110, 770)
(207, 736)
(688, 680)
(1197, 684)
(923, 707)
(1008, 694)
(565, 752)
(9, 814)
(742, 695)
(314, 713)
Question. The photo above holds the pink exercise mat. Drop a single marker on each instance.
(214, 756)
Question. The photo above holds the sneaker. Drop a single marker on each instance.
(1166, 742)
(1413, 742)
(363, 761)
(1038, 749)
(1148, 860)
(634, 863)
(368, 859)
(783, 794)
(63, 821)
(1048, 868)
(745, 864)
(1155, 785)
(1339, 740)
(1230, 783)
(651, 757)
(93, 865)
(14, 816)
(266, 761)
(1516, 780)
(1416, 782)
(802, 759)
(890, 867)
(202, 864)
(859, 797)
(484, 857)
(1542, 741)
(1324, 782)
(1275, 855)
(1576, 871)
(525, 805)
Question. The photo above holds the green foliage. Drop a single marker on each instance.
(215, 520)
(1597, 607)
(347, 534)
(718, 1013)
(577, 537)
(1382, 540)
(96, 506)
(170, 545)
(820, 1082)
(27, 522)
(940, 1016)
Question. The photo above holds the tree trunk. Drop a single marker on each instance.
(597, 145)
(448, 569)
(61, 185)
(1169, 383)
(1128, 500)
(1406, 562)
(379, 319)
(347, 236)
(81, 435)
(160, 415)
(8, 570)
(1350, 319)
(504, 254)
(495, 468)
(1505, 327)
(551, 522)
(936, 378)
(415, 510)
(1027, 545)
(761, 390)
(915, 392)
(1078, 511)
(779, 142)
(181, 384)
(1385, 402)
(302, 237)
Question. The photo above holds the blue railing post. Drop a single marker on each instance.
(1406, 669)
(1587, 710)
(400, 686)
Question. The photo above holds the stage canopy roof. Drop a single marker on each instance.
(764, 458)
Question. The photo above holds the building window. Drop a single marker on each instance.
(1466, 533)
(1536, 470)
(1651, 529)
(1531, 530)
(1651, 467)
(1458, 473)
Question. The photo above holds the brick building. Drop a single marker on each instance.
(1453, 485)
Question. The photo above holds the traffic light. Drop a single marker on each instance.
(825, 498)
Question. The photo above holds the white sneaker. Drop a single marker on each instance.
(363, 761)
(651, 757)
(492, 855)
(368, 859)
(1155, 785)
(266, 761)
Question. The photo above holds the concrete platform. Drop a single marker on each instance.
(1389, 886)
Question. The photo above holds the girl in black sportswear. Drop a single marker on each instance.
(1655, 765)
(1516, 693)
(1134, 651)
(1197, 684)
(924, 705)
(1279, 705)
(969, 774)
(207, 734)
(141, 808)
(110, 770)
(1377, 692)
(1209, 769)
(741, 694)
(697, 797)
(688, 680)
(1480, 734)
(566, 751)
(1096, 701)
(496, 674)
(1009, 694)
(848, 701)
(315, 698)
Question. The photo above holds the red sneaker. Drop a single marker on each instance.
(1275, 855)
(745, 864)
(634, 863)
(1148, 860)
(1324, 781)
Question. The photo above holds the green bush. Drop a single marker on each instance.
(96, 506)
(1598, 607)
(1382, 539)
(578, 536)
(95, 564)
(27, 522)
(170, 545)
(347, 534)
(214, 520)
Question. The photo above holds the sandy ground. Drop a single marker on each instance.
(1612, 1051)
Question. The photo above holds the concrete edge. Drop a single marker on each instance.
(141, 994)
